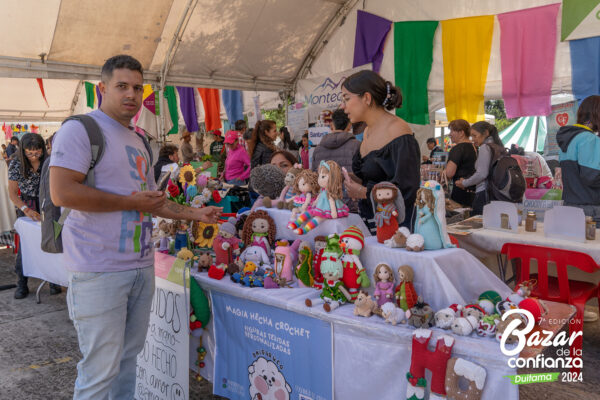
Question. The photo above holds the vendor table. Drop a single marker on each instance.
(370, 358)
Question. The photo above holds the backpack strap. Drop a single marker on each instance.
(97, 143)
(147, 144)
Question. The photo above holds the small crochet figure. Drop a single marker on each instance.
(406, 296)
(388, 208)
(384, 284)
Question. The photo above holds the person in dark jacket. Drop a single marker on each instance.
(579, 159)
(168, 154)
(261, 145)
(433, 148)
(340, 145)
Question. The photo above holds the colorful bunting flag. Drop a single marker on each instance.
(188, 108)
(212, 108)
(369, 41)
(41, 85)
(90, 95)
(171, 97)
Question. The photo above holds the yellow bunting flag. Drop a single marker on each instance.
(466, 46)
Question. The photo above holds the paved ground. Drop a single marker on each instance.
(39, 351)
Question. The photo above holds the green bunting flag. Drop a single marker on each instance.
(90, 94)
(413, 57)
(171, 97)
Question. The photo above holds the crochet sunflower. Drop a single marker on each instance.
(187, 175)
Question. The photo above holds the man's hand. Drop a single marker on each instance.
(209, 215)
(148, 201)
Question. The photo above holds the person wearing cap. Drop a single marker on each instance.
(237, 163)
(216, 147)
(187, 151)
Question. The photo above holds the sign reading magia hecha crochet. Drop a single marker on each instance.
(269, 353)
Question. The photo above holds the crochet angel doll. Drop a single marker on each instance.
(431, 216)
(259, 230)
(328, 204)
(388, 208)
(384, 284)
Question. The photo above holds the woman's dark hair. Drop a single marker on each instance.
(460, 125)
(431, 140)
(588, 112)
(248, 134)
(383, 92)
(167, 150)
(288, 143)
(240, 124)
(259, 134)
(31, 141)
(288, 156)
(516, 150)
(484, 126)
(340, 119)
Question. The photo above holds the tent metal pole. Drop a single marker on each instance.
(76, 97)
(535, 140)
(187, 14)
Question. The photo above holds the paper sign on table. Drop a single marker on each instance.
(501, 216)
(563, 222)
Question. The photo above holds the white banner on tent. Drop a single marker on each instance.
(325, 92)
(562, 114)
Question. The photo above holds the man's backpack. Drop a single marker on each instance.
(505, 180)
(53, 219)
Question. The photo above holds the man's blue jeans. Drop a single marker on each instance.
(110, 311)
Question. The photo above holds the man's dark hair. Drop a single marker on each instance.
(14, 139)
(432, 140)
(119, 62)
(167, 150)
(240, 125)
(340, 119)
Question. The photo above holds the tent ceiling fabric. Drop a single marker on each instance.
(90, 32)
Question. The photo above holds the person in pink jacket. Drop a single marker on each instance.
(237, 164)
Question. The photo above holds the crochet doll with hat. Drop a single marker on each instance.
(388, 208)
(352, 242)
(431, 216)
(226, 245)
(328, 204)
(334, 294)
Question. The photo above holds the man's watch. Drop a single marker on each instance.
(24, 208)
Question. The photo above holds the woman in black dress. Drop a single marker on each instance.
(389, 150)
(461, 161)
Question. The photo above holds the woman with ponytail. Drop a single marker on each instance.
(389, 150)
(261, 145)
(485, 136)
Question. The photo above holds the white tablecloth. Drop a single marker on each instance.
(486, 242)
(371, 358)
(37, 263)
(442, 277)
(327, 227)
(7, 209)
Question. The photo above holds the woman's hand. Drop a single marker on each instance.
(355, 190)
(32, 214)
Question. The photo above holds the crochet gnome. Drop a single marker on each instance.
(352, 242)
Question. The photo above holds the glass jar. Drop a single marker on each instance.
(590, 228)
(530, 222)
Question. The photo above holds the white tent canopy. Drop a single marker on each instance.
(255, 45)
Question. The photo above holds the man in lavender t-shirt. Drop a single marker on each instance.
(106, 238)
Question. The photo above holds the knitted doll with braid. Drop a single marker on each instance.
(259, 230)
(352, 242)
(328, 204)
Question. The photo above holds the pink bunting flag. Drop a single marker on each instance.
(528, 49)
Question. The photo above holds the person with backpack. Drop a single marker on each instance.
(579, 159)
(106, 237)
(24, 176)
(485, 136)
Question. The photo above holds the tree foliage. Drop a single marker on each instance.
(496, 108)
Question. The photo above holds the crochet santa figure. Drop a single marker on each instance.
(352, 242)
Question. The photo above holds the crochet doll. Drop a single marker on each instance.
(304, 269)
(259, 230)
(384, 284)
(181, 237)
(268, 181)
(289, 192)
(306, 188)
(406, 296)
(352, 242)
(164, 233)
(328, 204)
(388, 208)
(431, 216)
(320, 244)
(334, 293)
(226, 245)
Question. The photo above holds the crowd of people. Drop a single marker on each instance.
(371, 145)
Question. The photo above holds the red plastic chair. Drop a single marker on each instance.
(560, 289)
(454, 241)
